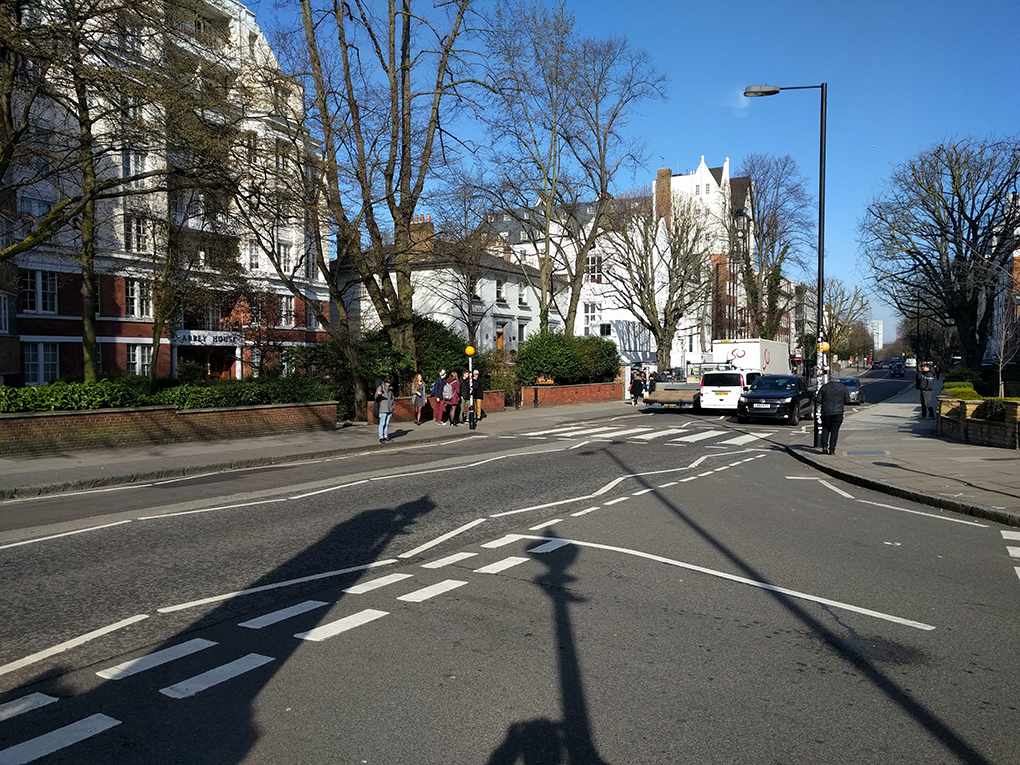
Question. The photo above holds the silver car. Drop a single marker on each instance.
(853, 385)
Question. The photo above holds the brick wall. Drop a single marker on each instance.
(39, 433)
(404, 412)
(562, 395)
(956, 421)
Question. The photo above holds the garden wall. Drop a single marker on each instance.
(562, 395)
(35, 433)
(956, 421)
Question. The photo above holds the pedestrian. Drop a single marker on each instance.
(637, 388)
(478, 391)
(652, 379)
(418, 397)
(465, 387)
(438, 404)
(451, 398)
(384, 397)
(926, 385)
(832, 398)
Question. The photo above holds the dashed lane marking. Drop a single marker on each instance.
(155, 659)
(215, 676)
(375, 584)
(284, 613)
(432, 591)
(449, 560)
(502, 565)
(326, 631)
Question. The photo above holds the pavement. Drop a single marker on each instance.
(884, 446)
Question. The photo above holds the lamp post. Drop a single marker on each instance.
(755, 91)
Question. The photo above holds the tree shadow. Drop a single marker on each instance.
(542, 741)
(210, 726)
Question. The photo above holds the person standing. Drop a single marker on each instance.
(637, 388)
(926, 385)
(438, 404)
(478, 391)
(417, 397)
(465, 392)
(384, 395)
(452, 401)
(832, 398)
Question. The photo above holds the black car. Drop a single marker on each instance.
(876, 364)
(853, 386)
(777, 397)
(898, 370)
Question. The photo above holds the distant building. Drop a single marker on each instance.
(875, 328)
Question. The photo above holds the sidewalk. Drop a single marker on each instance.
(887, 447)
(70, 471)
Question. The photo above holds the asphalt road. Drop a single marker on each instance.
(612, 595)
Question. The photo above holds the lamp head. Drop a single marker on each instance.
(755, 91)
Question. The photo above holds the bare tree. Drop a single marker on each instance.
(943, 230)
(843, 311)
(658, 269)
(781, 213)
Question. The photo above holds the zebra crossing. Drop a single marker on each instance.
(193, 682)
(647, 434)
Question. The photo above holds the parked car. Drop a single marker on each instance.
(777, 397)
(876, 364)
(898, 370)
(853, 386)
(719, 390)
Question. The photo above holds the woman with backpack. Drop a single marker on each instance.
(385, 399)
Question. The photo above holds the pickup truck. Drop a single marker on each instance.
(674, 396)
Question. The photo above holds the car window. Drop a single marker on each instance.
(722, 379)
(775, 383)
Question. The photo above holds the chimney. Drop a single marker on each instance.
(422, 235)
(664, 194)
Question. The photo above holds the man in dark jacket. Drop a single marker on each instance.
(926, 384)
(437, 396)
(832, 398)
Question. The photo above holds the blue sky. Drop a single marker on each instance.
(902, 76)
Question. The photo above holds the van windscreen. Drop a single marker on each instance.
(722, 379)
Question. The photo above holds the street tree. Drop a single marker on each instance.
(844, 310)
(943, 230)
(658, 268)
(781, 212)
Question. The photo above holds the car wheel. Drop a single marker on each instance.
(795, 417)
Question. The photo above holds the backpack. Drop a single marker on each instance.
(448, 392)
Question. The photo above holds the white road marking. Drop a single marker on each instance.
(440, 539)
(639, 493)
(431, 591)
(616, 501)
(326, 631)
(594, 494)
(263, 588)
(375, 584)
(501, 565)
(1011, 534)
(331, 488)
(215, 676)
(449, 559)
(585, 511)
(745, 439)
(929, 515)
(1017, 569)
(740, 580)
(284, 613)
(54, 741)
(578, 446)
(1013, 551)
(667, 485)
(543, 525)
(73, 643)
(209, 509)
(659, 434)
(24, 704)
(76, 493)
(552, 544)
(508, 539)
(620, 434)
(155, 659)
(553, 431)
(65, 534)
(836, 489)
(701, 436)
(592, 431)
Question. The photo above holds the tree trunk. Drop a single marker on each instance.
(664, 353)
(88, 285)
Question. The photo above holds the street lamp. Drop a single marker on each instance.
(756, 91)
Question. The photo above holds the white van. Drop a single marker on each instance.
(720, 390)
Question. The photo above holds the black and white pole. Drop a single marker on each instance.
(472, 420)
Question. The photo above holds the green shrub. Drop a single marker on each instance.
(568, 360)
(965, 394)
(962, 374)
(436, 347)
(953, 385)
(991, 409)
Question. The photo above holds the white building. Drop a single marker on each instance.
(877, 332)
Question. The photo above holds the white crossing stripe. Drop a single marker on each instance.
(326, 631)
(621, 433)
(617, 500)
(449, 559)
(155, 659)
(745, 439)
(1014, 551)
(508, 539)
(553, 431)
(284, 613)
(1011, 534)
(700, 436)
(552, 544)
(541, 526)
(1017, 569)
(375, 584)
(502, 565)
(431, 591)
(215, 676)
(589, 431)
(54, 741)
(24, 704)
(660, 434)
(585, 511)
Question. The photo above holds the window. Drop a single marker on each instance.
(252, 39)
(38, 291)
(130, 108)
(253, 254)
(282, 157)
(132, 164)
(592, 316)
(522, 329)
(134, 233)
(522, 294)
(212, 318)
(42, 363)
(500, 292)
(30, 210)
(283, 257)
(6, 308)
(697, 189)
(310, 321)
(285, 310)
(6, 232)
(139, 299)
(251, 147)
(605, 330)
(139, 357)
(129, 39)
(255, 311)
(594, 269)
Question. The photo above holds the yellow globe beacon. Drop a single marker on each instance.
(470, 350)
